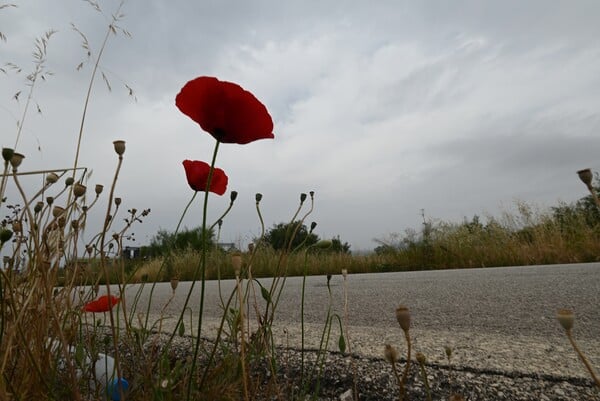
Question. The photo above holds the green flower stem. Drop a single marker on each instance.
(202, 266)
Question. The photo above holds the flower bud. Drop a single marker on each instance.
(98, 189)
(79, 190)
(51, 178)
(69, 181)
(5, 234)
(403, 317)
(566, 318)
(390, 353)
(16, 159)
(7, 154)
(258, 197)
(119, 147)
(233, 196)
(324, 244)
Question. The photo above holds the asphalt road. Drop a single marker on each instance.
(496, 319)
(489, 300)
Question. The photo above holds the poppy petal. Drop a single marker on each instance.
(225, 110)
(197, 171)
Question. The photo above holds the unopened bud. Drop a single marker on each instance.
(390, 353)
(566, 318)
(403, 317)
(324, 244)
(119, 147)
(51, 178)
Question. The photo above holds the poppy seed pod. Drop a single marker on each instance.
(233, 196)
(57, 211)
(5, 235)
(75, 224)
(403, 317)
(421, 358)
(312, 194)
(7, 154)
(117, 201)
(69, 181)
(302, 197)
(38, 207)
(16, 159)
(79, 190)
(566, 318)
(586, 176)
(17, 227)
(119, 147)
(236, 261)
(258, 197)
(174, 283)
(98, 189)
(51, 178)
(313, 225)
(50, 200)
(390, 353)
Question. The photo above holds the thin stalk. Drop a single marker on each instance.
(202, 271)
(583, 358)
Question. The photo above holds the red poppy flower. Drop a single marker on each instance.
(197, 176)
(102, 304)
(225, 110)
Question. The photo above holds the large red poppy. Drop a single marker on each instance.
(225, 110)
(197, 175)
(102, 304)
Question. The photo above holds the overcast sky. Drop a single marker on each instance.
(383, 108)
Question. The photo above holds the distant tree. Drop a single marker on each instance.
(280, 234)
(164, 241)
(338, 247)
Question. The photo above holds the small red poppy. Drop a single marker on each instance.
(102, 304)
(197, 175)
(225, 110)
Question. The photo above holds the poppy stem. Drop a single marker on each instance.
(202, 270)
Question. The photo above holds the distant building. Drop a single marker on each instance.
(131, 252)
(226, 246)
